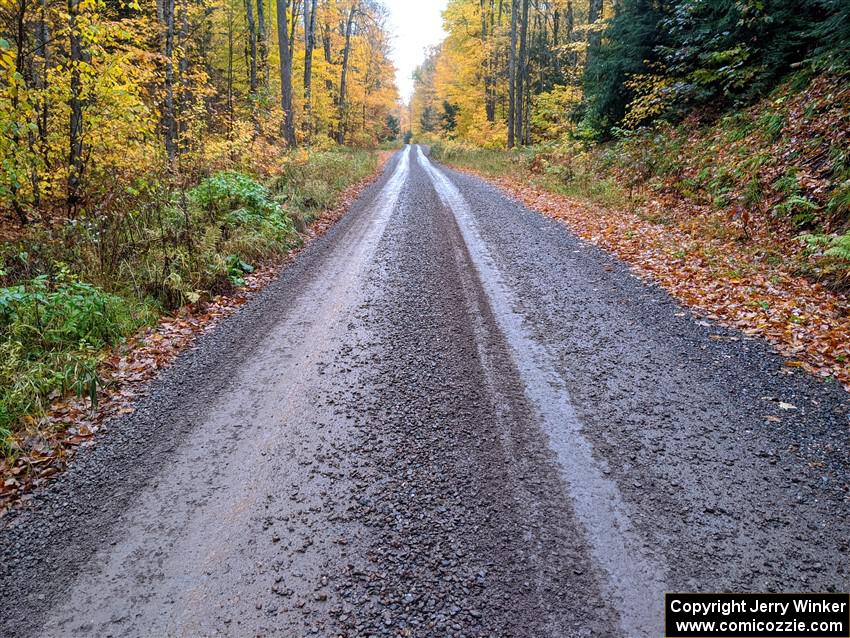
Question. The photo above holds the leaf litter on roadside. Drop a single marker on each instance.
(802, 319)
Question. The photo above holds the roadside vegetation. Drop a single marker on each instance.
(71, 291)
(153, 156)
(774, 176)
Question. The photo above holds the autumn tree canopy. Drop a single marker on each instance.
(97, 92)
(514, 72)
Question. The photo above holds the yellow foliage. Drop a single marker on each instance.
(652, 98)
(137, 86)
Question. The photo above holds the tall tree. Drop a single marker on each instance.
(346, 55)
(75, 103)
(512, 76)
(288, 124)
(169, 123)
(309, 45)
(594, 35)
(521, 76)
(263, 44)
(251, 46)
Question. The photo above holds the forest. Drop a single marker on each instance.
(516, 73)
(155, 154)
(575, 79)
(97, 92)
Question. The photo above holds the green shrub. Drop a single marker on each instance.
(159, 249)
(53, 329)
(228, 193)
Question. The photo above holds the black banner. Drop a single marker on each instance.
(757, 615)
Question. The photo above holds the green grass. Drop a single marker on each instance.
(488, 161)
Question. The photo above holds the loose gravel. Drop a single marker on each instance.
(356, 452)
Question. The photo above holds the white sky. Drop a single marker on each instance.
(416, 24)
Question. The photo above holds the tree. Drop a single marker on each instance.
(75, 103)
(263, 44)
(309, 45)
(521, 76)
(251, 46)
(288, 124)
(512, 77)
(169, 124)
(346, 56)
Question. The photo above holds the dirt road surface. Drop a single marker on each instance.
(449, 417)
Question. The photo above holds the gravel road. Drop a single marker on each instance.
(448, 417)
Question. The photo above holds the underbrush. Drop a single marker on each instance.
(70, 291)
(309, 187)
(558, 168)
(54, 329)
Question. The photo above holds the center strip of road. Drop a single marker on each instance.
(635, 575)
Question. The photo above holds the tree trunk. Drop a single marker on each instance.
(75, 129)
(556, 30)
(288, 125)
(521, 75)
(184, 97)
(230, 116)
(326, 48)
(44, 52)
(489, 93)
(293, 26)
(169, 126)
(252, 48)
(512, 74)
(344, 75)
(20, 68)
(570, 25)
(309, 45)
(263, 42)
(594, 37)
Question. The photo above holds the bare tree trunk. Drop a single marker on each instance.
(184, 98)
(521, 75)
(20, 8)
(293, 27)
(75, 129)
(556, 33)
(570, 25)
(349, 25)
(169, 125)
(594, 38)
(526, 135)
(489, 95)
(252, 48)
(309, 45)
(230, 116)
(326, 47)
(288, 124)
(512, 74)
(263, 42)
(44, 52)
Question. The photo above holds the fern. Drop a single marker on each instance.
(834, 250)
(839, 248)
(799, 209)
